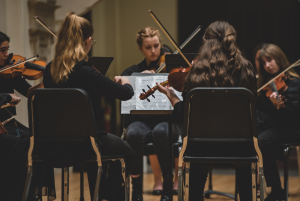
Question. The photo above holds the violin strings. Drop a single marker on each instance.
(16, 64)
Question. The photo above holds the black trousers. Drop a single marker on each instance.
(13, 168)
(139, 133)
(198, 176)
(111, 179)
(268, 141)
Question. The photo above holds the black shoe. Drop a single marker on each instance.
(165, 193)
(157, 192)
(137, 189)
(276, 195)
(175, 192)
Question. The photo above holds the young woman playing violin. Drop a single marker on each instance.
(146, 128)
(219, 54)
(70, 69)
(7, 86)
(15, 128)
(277, 122)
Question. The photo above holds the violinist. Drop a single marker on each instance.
(8, 86)
(70, 69)
(14, 127)
(219, 54)
(143, 129)
(277, 123)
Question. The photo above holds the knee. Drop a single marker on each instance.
(161, 130)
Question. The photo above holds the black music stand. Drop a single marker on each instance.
(176, 60)
(101, 63)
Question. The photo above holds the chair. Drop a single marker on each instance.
(287, 147)
(64, 119)
(219, 117)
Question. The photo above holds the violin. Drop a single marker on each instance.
(176, 77)
(279, 86)
(30, 69)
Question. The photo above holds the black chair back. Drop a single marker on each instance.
(61, 114)
(62, 121)
(219, 119)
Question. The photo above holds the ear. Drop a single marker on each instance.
(87, 40)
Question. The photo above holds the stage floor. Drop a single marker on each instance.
(221, 182)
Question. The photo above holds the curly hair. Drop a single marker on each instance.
(220, 62)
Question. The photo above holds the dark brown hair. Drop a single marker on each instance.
(220, 62)
(272, 51)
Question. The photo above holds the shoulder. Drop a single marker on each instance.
(135, 68)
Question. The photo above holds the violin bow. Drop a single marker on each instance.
(21, 62)
(168, 36)
(182, 46)
(297, 63)
(45, 26)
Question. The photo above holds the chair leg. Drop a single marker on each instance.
(180, 183)
(253, 170)
(127, 192)
(187, 181)
(96, 193)
(298, 159)
(262, 183)
(81, 182)
(65, 184)
(27, 184)
(286, 173)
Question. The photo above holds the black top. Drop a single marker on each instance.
(7, 86)
(84, 76)
(178, 111)
(288, 117)
(4, 98)
(151, 120)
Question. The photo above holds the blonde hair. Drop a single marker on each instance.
(274, 52)
(145, 33)
(69, 48)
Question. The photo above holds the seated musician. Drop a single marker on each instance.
(143, 129)
(8, 86)
(277, 123)
(219, 54)
(14, 127)
(70, 69)
(13, 161)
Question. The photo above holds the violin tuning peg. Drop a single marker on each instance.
(148, 100)
(148, 87)
(153, 96)
(144, 90)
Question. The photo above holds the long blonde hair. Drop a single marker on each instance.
(273, 51)
(69, 48)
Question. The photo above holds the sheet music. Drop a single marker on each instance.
(160, 102)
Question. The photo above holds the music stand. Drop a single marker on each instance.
(176, 60)
(101, 63)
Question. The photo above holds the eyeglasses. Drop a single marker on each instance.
(93, 41)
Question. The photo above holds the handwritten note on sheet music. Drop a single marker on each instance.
(160, 102)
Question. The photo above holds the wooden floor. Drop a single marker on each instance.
(224, 183)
